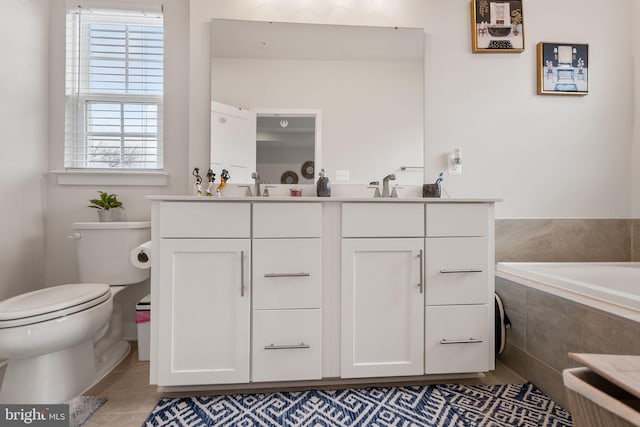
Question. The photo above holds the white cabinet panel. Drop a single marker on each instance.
(382, 307)
(457, 219)
(287, 220)
(457, 339)
(457, 270)
(205, 307)
(382, 220)
(287, 345)
(202, 220)
(287, 273)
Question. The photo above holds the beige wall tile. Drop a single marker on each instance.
(523, 240)
(635, 240)
(552, 324)
(591, 240)
(514, 299)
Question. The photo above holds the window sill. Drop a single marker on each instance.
(108, 177)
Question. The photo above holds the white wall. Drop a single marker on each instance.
(635, 143)
(544, 155)
(67, 204)
(372, 111)
(24, 27)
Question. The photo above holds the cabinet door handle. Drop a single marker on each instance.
(469, 341)
(421, 284)
(286, 346)
(460, 270)
(287, 275)
(242, 273)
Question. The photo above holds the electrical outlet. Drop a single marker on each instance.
(455, 169)
(342, 175)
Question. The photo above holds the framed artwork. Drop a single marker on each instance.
(497, 26)
(563, 68)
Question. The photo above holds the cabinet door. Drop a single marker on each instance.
(458, 339)
(457, 270)
(287, 345)
(287, 273)
(382, 307)
(204, 311)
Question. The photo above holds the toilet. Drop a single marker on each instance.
(60, 341)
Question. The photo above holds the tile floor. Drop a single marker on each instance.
(130, 398)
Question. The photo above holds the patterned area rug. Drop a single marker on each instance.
(431, 406)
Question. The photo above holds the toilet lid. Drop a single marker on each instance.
(44, 304)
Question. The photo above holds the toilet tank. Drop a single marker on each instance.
(104, 250)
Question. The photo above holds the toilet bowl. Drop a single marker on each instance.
(59, 341)
(47, 336)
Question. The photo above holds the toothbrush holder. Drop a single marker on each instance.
(431, 190)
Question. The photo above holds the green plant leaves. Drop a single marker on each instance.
(106, 201)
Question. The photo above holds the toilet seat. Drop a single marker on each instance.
(51, 303)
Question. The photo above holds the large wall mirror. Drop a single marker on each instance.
(311, 96)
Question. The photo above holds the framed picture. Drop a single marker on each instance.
(497, 26)
(563, 68)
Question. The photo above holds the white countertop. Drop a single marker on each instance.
(175, 198)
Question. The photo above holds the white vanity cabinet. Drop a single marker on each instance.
(204, 302)
(287, 292)
(251, 291)
(459, 292)
(382, 290)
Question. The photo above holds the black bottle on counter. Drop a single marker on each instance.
(324, 186)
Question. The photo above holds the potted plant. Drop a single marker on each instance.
(108, 206)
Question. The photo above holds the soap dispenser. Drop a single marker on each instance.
(324, 186)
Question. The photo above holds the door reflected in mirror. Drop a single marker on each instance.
(285, 147)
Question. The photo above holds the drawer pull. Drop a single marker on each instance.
(421, 284)
(460, 270)
(469, 341)
(287, 275)
(242, 273)
(286, 346)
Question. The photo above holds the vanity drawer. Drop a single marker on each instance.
(205, 219)
(287, 345)
(457, 339)
(456, 270)
(296, 219)
(287, 273)
(457, 219)
(382, 219)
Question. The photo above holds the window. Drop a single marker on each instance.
(114, 84)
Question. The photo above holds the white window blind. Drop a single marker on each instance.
(114, 84)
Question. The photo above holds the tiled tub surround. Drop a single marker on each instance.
(547, 324)
(564, 240)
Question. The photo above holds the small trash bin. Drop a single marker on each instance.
(143, 322)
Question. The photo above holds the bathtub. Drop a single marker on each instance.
(610, 282)
(557, 308)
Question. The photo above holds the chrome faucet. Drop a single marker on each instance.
(385, 185)
(247, 192)
(256, 177)
(374, 184)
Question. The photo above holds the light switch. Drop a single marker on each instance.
(342, 175)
